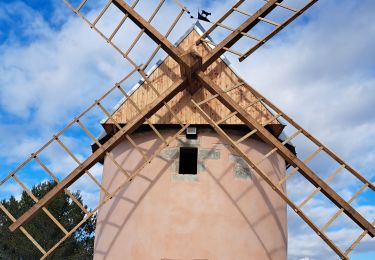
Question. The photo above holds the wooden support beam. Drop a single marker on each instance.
(267, 137)
(169, 48)
(98, 154)
(231, 39)
(194, 62)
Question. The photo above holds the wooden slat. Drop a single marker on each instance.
(111, 157)
(233, 30)
(102, 12)
(109, 116)
(275, 149)
(254, 131)
(308, 198)
(108, 154)
(337, 214)
(88, 216)
(226, 117)
(98, 154)
(296, 169)
(233, 51)
(76, 159)
(260, 18)
(267, 137)
(81, 5)
(225, 48)
(287, 7)
(121, 23)
(208, 99)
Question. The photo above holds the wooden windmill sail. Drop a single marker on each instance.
(194, 86)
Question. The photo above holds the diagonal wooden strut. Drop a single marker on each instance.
(98, 154)
(237, 34)
(154, 34)
(286, 154)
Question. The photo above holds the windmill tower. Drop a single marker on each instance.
(197, 191)
(194, 157)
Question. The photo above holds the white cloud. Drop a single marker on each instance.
(11, 189)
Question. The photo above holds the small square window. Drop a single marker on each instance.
(191, 133)
(188, 160)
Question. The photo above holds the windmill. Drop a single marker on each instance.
(192, 107)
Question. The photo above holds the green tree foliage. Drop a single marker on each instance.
(46, 233)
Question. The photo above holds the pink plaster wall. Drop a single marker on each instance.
(213, 215)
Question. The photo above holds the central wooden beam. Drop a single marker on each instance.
(169, 48)
(194, 61)
(267, 137)
(178, 86)
(232, 38)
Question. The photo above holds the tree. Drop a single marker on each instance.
(47, 233)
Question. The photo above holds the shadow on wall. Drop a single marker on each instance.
(274, 208)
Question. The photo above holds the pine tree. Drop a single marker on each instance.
(46, 233)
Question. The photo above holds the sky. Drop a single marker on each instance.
(320, 70)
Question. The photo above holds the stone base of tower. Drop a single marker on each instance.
(225, 211)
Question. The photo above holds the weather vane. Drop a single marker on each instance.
(202, 15)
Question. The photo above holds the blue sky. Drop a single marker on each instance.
(321, 70)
